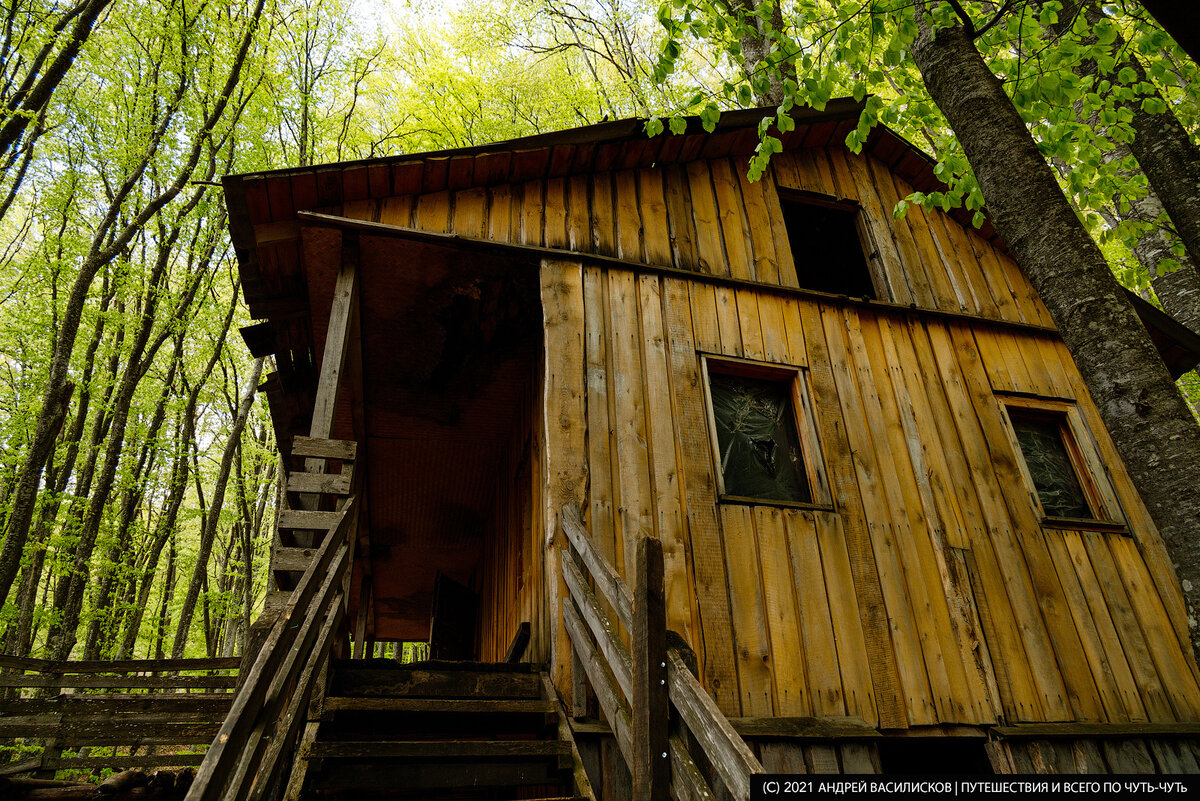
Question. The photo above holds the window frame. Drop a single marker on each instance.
(1089, 469)
(821, 499)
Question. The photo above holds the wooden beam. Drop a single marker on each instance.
(294, 560)
(337, 338)
(1047, 730)
(319, 483)
(530, 253)
(301, 519)
(651, 767)
(269, 773)
(119, 665)
(343, 449)
(822, 728)
(583, 785)
(263, 681)
(360, 624)
(687, 781)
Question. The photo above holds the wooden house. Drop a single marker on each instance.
(894, 532)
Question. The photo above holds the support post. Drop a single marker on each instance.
(333, 364)
(360, 627)
(650, 707)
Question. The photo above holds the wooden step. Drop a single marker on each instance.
(439, 749)
(438, 764)
(302, 519)
(430, 727)
(373, 663)
(458, 706)
(424, 681)
(383, 718)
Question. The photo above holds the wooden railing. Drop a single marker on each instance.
(254, 747)
(631, 689)
(112, 708)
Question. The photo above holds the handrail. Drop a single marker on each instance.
(246, 751)
(28, 663)
(608, 665)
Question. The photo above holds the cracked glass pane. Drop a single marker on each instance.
(1050, 466)
(756, 436)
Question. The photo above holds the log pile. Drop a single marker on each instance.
(128, 785)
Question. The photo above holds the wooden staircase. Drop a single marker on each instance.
(436, 730)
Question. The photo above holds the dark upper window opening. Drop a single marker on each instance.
(826, 244)
(1046, 445)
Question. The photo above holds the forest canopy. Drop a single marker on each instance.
(138, 475)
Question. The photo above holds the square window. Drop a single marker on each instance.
(1054, 464)
(764, 446)
(827, 244)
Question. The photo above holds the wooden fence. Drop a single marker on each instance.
(640, 692)
(173, 706)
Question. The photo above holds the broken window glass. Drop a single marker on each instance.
(756, 438)
(1050, 466)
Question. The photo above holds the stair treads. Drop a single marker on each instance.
(377, 663)
(431, 750)
(473, 706)
(384, 682)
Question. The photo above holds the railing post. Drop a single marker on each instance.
(650, 707)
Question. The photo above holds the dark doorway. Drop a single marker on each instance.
(455, 613)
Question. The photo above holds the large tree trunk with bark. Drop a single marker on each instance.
(756, 52)
(1153, 429)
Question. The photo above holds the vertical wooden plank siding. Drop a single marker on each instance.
(930, 590)
(564, 406)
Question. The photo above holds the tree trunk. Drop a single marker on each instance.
(1153, 429)
(164, 609)
(214, 510)
(756, 50)
(37, 87)
(1163, 149)
(69, 596)
(179, 478)
(99, 629)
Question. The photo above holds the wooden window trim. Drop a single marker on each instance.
(1089, 469)
(804, 419)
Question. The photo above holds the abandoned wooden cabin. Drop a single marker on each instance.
(522, 387)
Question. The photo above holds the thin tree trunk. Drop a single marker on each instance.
(214, 509)
(1153, 429)
(165, 527)
(69, 596)
(1165, 152)
(164, 609)
(102, 617)
(35, 91)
